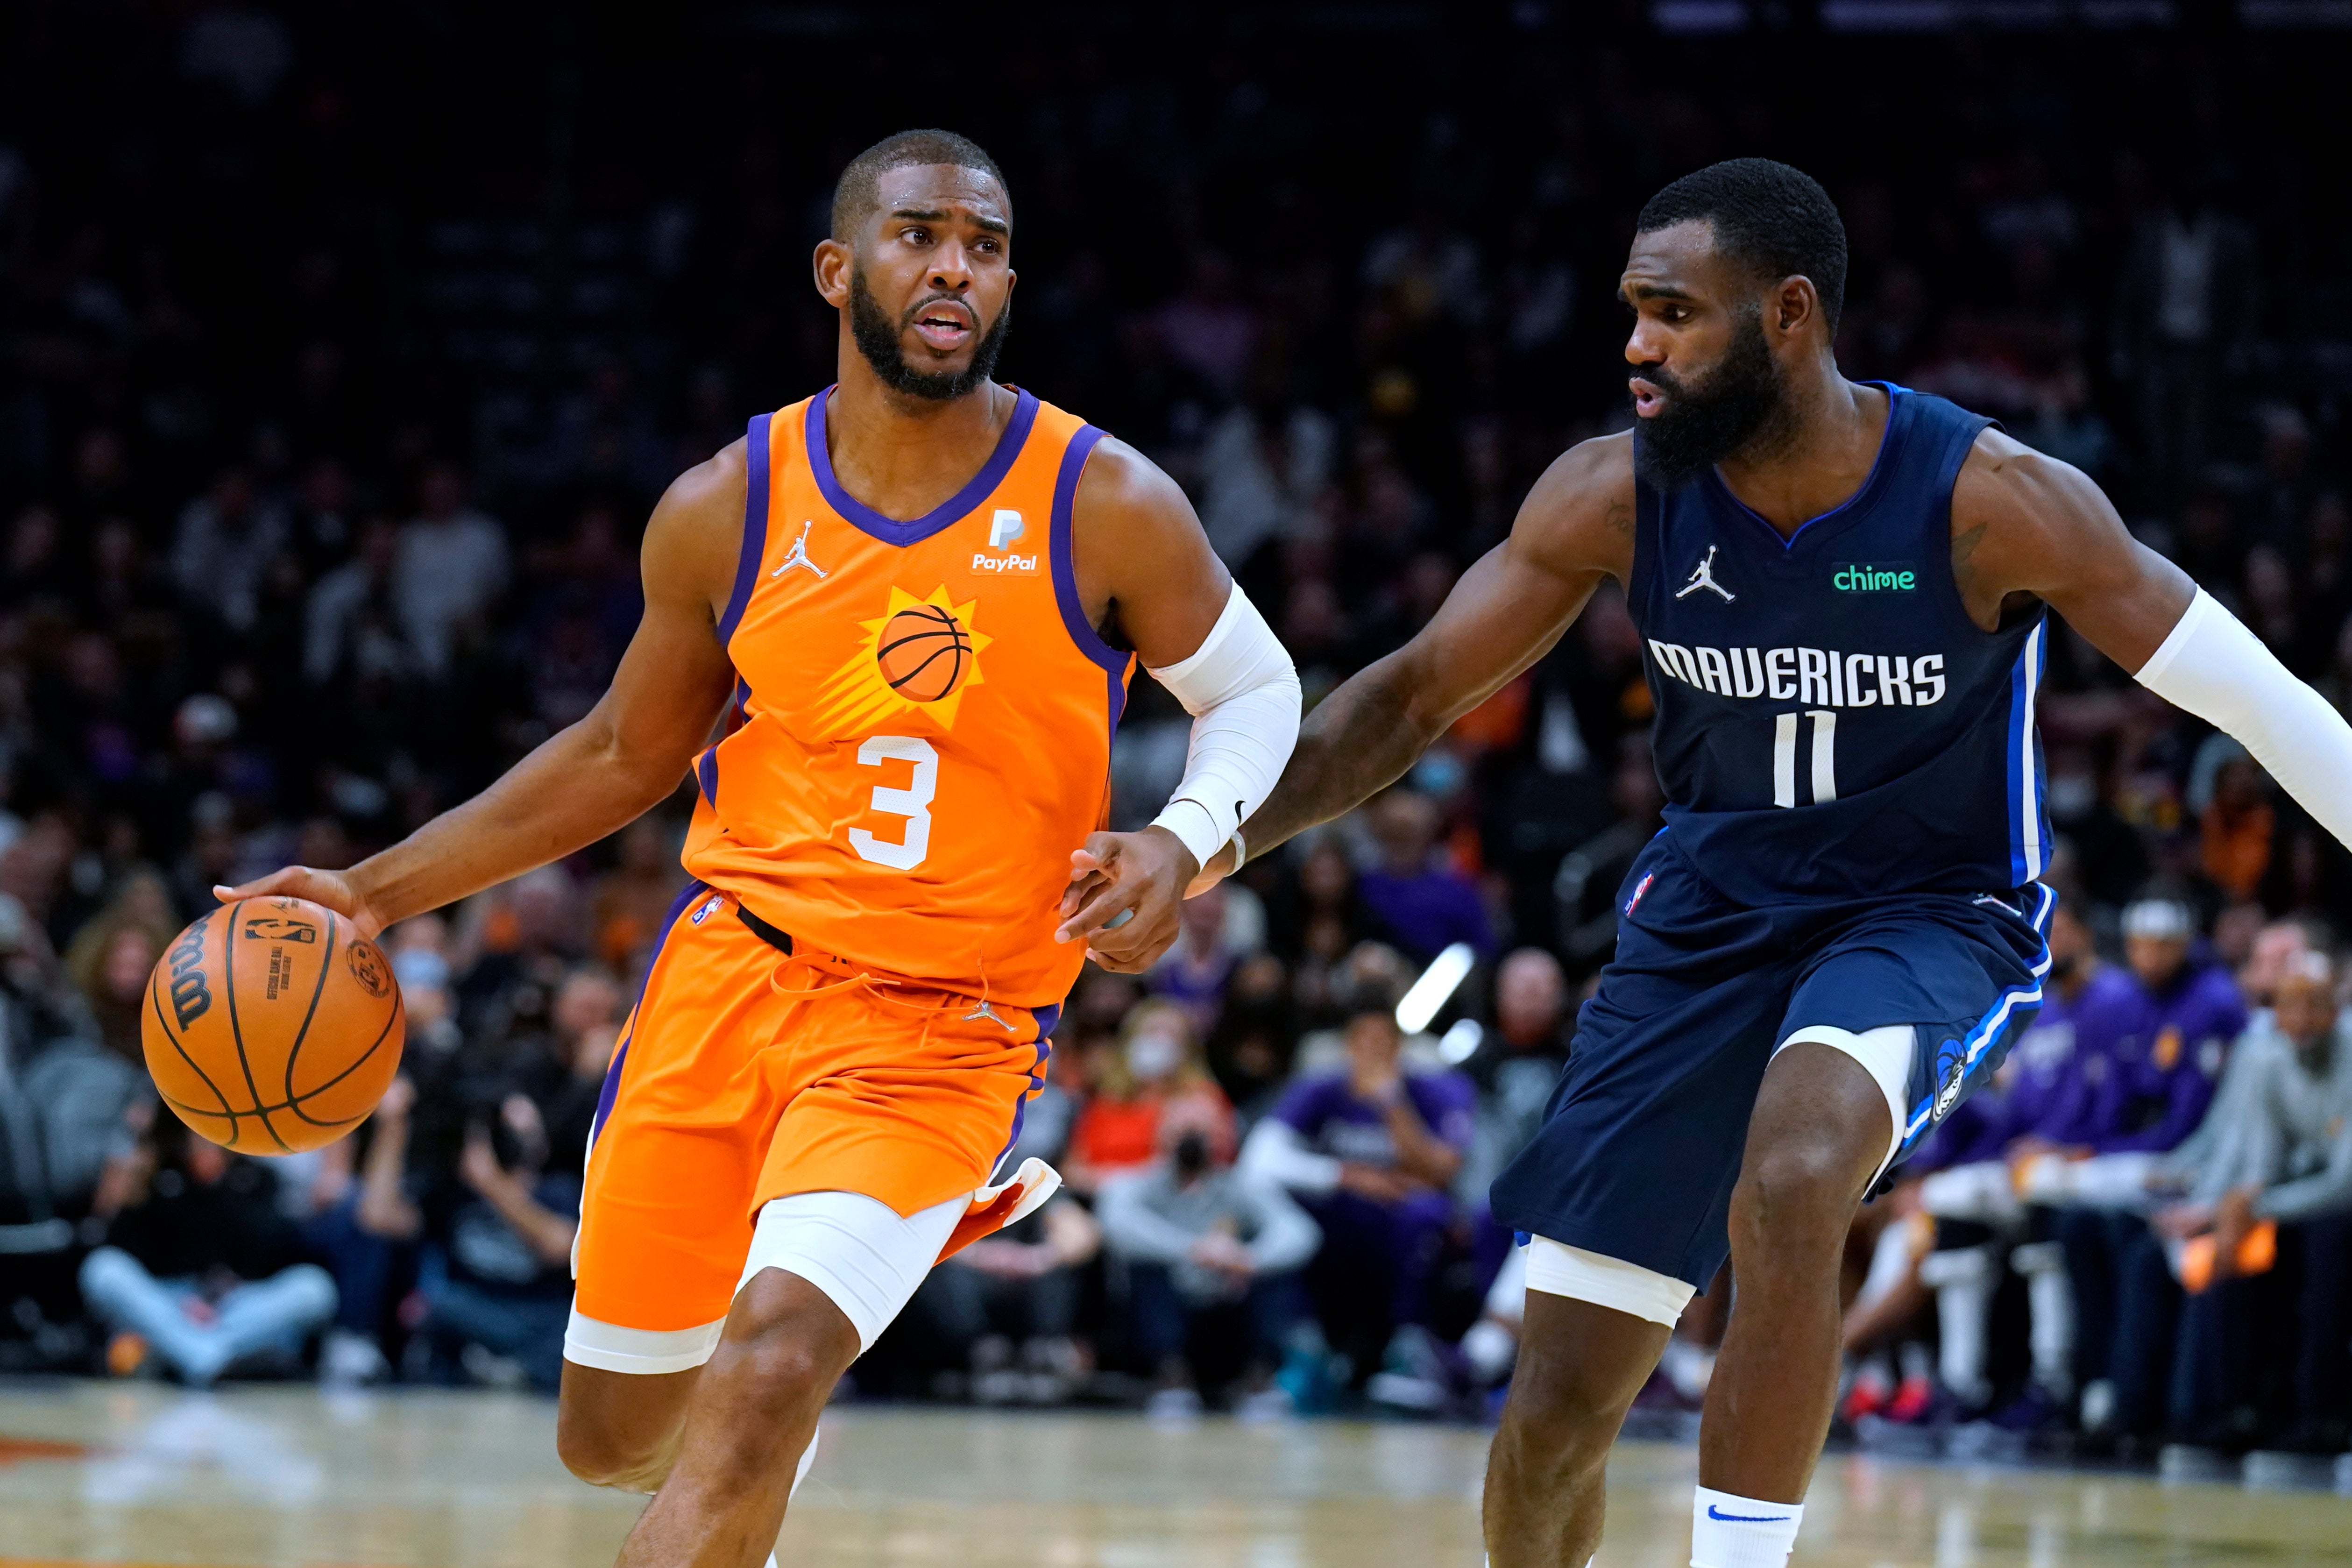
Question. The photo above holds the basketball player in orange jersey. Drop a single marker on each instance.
(917, 599)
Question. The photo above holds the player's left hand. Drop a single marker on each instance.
(1122, 898)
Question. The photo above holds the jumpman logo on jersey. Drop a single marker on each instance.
(1703, 577)
(799, 556)
(989, 1013)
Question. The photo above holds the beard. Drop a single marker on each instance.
(881, 340)
(1701, 425)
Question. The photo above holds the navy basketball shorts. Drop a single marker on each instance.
(1642, 1142)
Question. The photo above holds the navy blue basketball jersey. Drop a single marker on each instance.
(1830, 721)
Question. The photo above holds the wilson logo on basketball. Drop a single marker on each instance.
(190, 995)
(921, 656)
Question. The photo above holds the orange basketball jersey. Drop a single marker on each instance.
(923, 715)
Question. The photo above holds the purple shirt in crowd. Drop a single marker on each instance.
(2164, 1054)
(1424, 914)
(1330, 1118)
(2115, 1068)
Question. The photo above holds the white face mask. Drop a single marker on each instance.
(1154, 1054)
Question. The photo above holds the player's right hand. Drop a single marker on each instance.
(332, 888)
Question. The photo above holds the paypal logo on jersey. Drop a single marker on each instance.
(1003, 529)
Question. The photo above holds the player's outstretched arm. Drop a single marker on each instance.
(1147, 574)
(594, 776)
(1575, 528)
(2026, 523)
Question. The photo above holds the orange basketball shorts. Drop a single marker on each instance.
(745, 1075)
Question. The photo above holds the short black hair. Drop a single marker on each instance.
(857, 192)
(1769, 216)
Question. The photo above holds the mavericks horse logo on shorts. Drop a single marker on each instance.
(1951, 1069)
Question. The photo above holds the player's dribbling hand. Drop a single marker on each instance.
(332, 888)
(1122, 898)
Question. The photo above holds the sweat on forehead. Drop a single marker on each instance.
(859, 191)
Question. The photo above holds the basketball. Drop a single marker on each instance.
(272, 1025)
(922, 651)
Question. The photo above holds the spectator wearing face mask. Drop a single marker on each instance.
(502, 1230)
(1157, 1068)
(1212, 1257)
(1370, 1152)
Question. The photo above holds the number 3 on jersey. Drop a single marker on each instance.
(913, 803)
(1784, 756)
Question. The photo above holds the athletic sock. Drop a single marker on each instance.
(1729, 1531)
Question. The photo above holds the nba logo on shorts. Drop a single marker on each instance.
(702, 914)
(1639, 889)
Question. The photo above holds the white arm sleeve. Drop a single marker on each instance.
(2216, 668)
(1242, 694)
(1274, 1152)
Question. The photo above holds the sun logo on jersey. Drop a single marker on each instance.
(918, 656)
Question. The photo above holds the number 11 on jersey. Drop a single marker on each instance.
(1824, 758)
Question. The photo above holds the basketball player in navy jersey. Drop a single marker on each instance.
(1843, 590)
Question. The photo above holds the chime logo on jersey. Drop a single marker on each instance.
(919, 656)
(1861, 578)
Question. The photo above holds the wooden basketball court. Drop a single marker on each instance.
(283, 1478)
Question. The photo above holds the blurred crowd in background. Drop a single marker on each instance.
(343, 353)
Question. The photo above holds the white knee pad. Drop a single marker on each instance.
(1572, 1272)
(1885, 1054)
(863, 1254)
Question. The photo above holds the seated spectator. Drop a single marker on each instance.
(1515, 1066)
(2164, 1032)
(451, 565)
(1371, 1152)
(1212, 1258)
(109, 969)
(1317, 918)
(1010, 1302)
(1156, 1068)
(2276, 1156)
(200, 1268)
(1420, 901)
(2043, 1101)
(1256, 1039)
(501, 1232)
(1195, 971)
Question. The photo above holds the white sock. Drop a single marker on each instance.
(1729, 1531)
